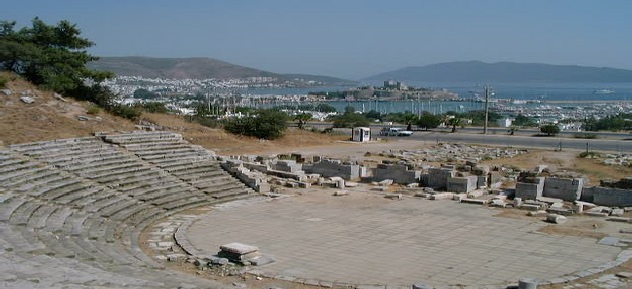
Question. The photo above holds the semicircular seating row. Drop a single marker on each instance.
(71, 210)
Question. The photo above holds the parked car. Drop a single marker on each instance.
(395, 131)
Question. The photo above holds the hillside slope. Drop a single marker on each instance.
(507, 72)
(49, 117)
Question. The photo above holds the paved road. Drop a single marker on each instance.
(599, 145)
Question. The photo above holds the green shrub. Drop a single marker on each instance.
(93, 109)
(588, 154)
(125, 111)
(154, 107)
(585, 135)
(207, 121)
(265, 124)
(3, 81)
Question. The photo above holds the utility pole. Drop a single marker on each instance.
(487, 94)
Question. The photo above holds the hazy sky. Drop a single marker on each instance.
(348, 38)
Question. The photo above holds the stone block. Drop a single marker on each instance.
(530, 191)
(394, 196)
(476, 194)
(400, 174)
(527, 283)
(563, 188)
(462, 184)
(438, 177)
(561, 211)
(481, 182)
(341, 193)
(475, 201)
(536, 213)
(335, 168)
(498, 203)
(529, 207)
(261, 260)
(238, 248)
(442, 196)
(517, 202)
(421, 286)
(616, 212)
(556, 219)
(495, 177)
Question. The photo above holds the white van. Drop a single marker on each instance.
(395, 131)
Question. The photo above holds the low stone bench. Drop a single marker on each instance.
(23, 213)
(188, 203)
(126, 177)
(39, 218)
(197, 171)
(113, 208)
(172, 156)
(100, 194)
(19, 243)
(55, 190)
(142, 191)
(21, 173)
(98, 171)
(56, 221)
(29, 182)
(230, 193)
(98, 205)
(69, 160)
(10, 205)
(191, 167)
(150, 196)
(18, 166)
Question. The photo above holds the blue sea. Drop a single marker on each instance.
(471, 94)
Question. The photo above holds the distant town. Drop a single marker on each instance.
(181, 95)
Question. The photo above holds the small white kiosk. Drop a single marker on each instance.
(361, 134)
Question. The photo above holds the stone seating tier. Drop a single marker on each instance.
(13, 174)
(77, 206)
(142, 138)
(164, 148)
(174, 155)
(25, 182)
(44, 145)
(99, 171)
(188, 165)
(99, 162)
(73, 160)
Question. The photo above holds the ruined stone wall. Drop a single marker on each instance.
(253, 179)
(288, 166)
(563, 188)
(329, 168)
(611, 197)
(400, 174)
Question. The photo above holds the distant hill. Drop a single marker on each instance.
(507, 72)
(194, 68)
(178, 68)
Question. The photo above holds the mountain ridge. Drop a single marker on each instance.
(192, 68)
(478, 71)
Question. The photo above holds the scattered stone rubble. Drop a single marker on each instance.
(540, 191)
